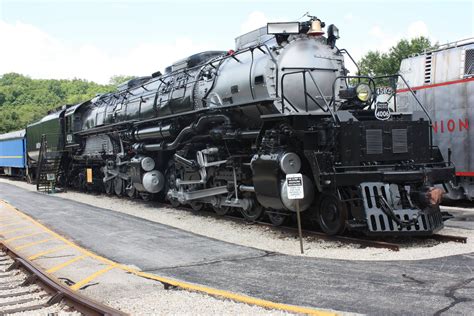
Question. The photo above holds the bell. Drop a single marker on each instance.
(315, 28)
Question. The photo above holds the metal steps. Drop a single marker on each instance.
(49, 164)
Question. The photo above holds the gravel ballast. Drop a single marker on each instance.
(266, 238)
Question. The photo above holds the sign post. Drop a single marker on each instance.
(295, 190)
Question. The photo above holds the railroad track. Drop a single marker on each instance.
(361, 241)
(26, 288)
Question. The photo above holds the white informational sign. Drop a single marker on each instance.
(294, 184)
(50, 176)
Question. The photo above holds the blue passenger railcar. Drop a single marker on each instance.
(12, 153)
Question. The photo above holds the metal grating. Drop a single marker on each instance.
(378, 221)
(373, 140)
(469, 62)
(399, 141)
(428, 60)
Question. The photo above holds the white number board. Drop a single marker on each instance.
(294, 184)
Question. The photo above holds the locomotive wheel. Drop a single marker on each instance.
(131, 192)
(221, 210)
(171, 184)
(81, 182)
(146, 196)
(174, 202)
(331, 215)
(118, 186)
(196, 206)
(109, 187)
(277, 219)
(254, 213)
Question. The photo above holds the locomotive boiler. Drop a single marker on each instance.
(221, 129)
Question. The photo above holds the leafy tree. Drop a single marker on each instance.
(24, 100)
(119, 79)
(375, 63)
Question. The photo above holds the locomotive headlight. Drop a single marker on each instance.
(363, 92)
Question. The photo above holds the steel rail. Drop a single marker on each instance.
(58, 291)
(447, 238)
(345, 239)
(291, 230)
(365, 242)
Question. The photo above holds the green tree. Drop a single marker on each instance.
(119, 79)
(376, 63)
(24, 100)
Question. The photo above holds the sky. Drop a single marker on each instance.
(95, 40)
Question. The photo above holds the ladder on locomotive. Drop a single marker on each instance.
(48, 167)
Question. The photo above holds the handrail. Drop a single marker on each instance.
(411, 91)
(458, 43)
(372, 80)
(345, 51)
(41, 154)
(417, 100)
(303, 71)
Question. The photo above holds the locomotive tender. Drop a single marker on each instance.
(222, 129)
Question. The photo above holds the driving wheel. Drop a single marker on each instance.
(131, 191)
(253, 213)
(277, 219)
(331, 215)
(109, 187)
(221, 210)
(118, 186)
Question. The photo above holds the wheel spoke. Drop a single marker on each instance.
(253, 213)
(332, 215)
(277, 219)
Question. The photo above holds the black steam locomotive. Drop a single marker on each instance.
(223, 129)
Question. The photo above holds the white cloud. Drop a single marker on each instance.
(349, 17)
(257, 19)
(417, 29)
(376, 31)
(382, 40)
(254, 20)
(28, 50)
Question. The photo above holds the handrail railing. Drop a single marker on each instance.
(409, 89)
(372, 80)
(42, 150)
(303, 72)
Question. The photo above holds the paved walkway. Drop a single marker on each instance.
(390, 287)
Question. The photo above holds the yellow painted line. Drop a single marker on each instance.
(14, 230)
(33, 243)
(11, 224)
(237, 297)
(5, 218)
(21, 237)
(6, 157)
(91, 277)
(47, 252)
(184, 285)
(65, 264)
(66, 241)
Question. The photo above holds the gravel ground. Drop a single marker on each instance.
(265, 238)
(150, 298)
(186, 303)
